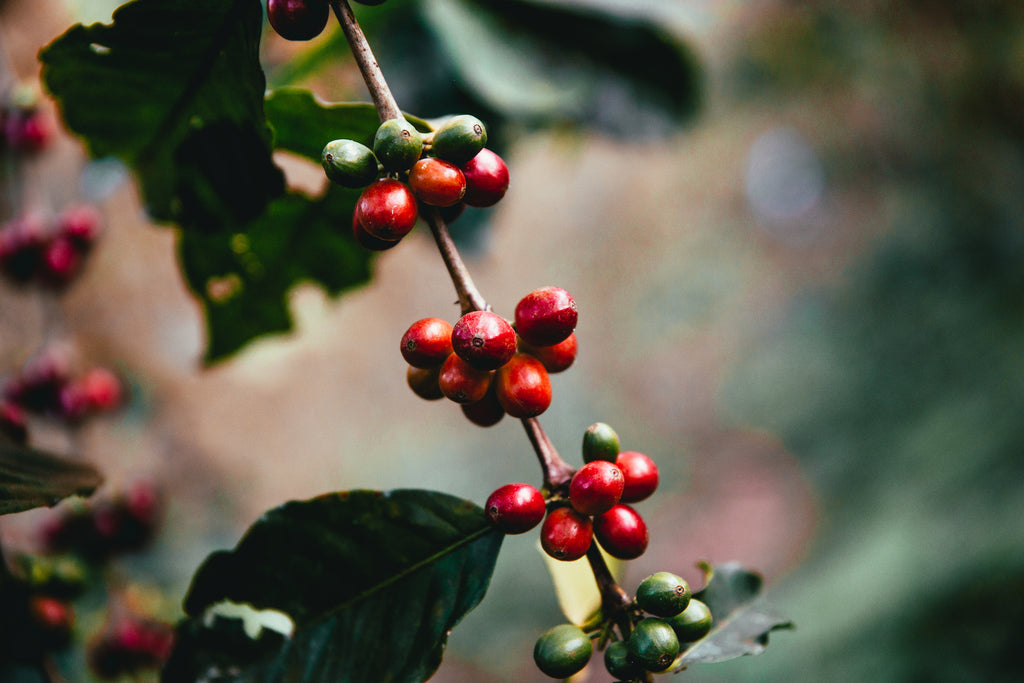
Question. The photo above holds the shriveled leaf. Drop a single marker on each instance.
(742, 617)
(30, 478)
(372, 583)
(174, 88)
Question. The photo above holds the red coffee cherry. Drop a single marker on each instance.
(483, 339)
(461, 382)
(61, 261)
(546, 316)
(298, 19)
(596, 487)
(81, 224)
(486, 179)
(555, 358)
(103, 389)
(424, 382)
(621, 532)
(386, 209)
(640, 474)
(566, 534)
(486, 412)
(437, 182)
(427, 343)
(524, 388)
(368, 241)
(515, 508)
(55, 619)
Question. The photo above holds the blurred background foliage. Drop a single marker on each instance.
(813, 211)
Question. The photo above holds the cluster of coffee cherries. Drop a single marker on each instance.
(47, 385)
(407, 172)
(24, 127)
(491, 366)
(35, 604)
(663, 620)
(50, 253)
(129, 644)
(595, 506)
(302, 19)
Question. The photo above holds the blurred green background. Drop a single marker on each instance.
(800, 273)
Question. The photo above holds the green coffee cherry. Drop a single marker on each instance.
(653, 644)
(663, 594)
(459, 139)
(562, 651)
(397, 144)
(349, 163)
(619, 663)
(693, 623)
(600, 442)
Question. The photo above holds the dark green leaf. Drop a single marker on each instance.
(243, 279)
(174, 88)
(372, 581)
(742, 618)
(30, 478)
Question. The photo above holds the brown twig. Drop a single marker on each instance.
(557, 472)
(614, 601)
(383, 100)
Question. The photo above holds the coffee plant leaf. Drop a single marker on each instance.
(31, 478)
(742, 617)
(303, 124)
(354, 586)
(174, 88)
(243, 278)
(545, 62)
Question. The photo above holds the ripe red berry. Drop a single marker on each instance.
(515, 508)
(546, 316)
(298, 19)
(484, 339)
(427, 343)
(486, 179)
(461, 382)
(555, 358)
(566, 534)
(523, 386)
(423, 382)
(368, 241)
(621, 532)
(486, 412)
(386, 209)
(596, 487)
(61, 261)
(103, 389)
(437, 182)
(640, 474)
(80, 223)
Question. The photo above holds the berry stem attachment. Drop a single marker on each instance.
(614, 601)
(470, 298)
(557, 472)
(383, 99)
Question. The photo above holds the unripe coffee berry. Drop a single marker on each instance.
(349, 163)
(653, 644)
(523, 386)
(427, 343)
(397, 144)
(483, 339)
(546, 316)
(595, 488)
(621, 532)
(566, 534)
(640, 473)
(424, 382)
(515, 508)
(298, 19)
(619, 663)
(387, 209)
(486, 412)
(459, 139)
(461, 382)
(437, 182)
(368, 241)
(556, 358)
(663, 594)
(486, 179)
(600, 442)
(562, 651)
(693, 623)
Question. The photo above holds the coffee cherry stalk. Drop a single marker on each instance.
(492, 366)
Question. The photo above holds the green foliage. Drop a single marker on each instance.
(31, 478)
(373, 583)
